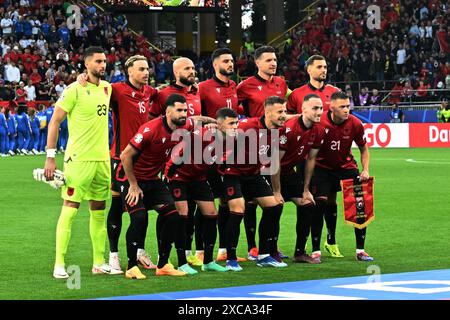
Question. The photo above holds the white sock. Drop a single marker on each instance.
(140, 252)
(222, 251)
(113, 254)
(317, 252)
(359, 251)
(198, 252)
(188, 252)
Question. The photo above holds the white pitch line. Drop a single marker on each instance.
(428, 162)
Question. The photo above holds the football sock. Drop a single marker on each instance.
(198, 222)
(250, 224)
(209, 228)
(222, 219)
(190, 224)
(304, 217)
(180, 240)
(168, 227)
(97, 230)
(278, 211)
(317, 225)
(360, 235)
(114, 223)
(63, 231)
(331, 220)
(233, 231)
(267, 229)
(138, 224)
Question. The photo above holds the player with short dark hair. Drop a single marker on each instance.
(316, 66)
(335, 162)
(217, 93)
(86, 160)
(252, 93)
(300, 140)
(130, 105)
(187, 173)
(142, 161)
(243, 181)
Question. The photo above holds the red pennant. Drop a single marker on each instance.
(358, 202)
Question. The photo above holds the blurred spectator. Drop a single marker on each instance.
(31, 91)
(396, 115)
(374, 99)
(21, 94)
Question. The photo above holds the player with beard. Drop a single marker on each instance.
(252, 93)
(143, 160)
(316, 66)
(184, 72)
(187, 172)
(300, 140)
(244, 181)
(86, 161)
(130, 105)
(216, 93)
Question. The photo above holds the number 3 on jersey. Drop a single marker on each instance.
(336, 145)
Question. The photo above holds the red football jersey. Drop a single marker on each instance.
(336, 152)
(297, 140)
(253, 91)
(130, 108)
(200, 154)
(295, 100)
(216, 94)
(192, 99)
(251, 152)
(154, 141)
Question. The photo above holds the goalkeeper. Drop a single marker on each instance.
(86, 160)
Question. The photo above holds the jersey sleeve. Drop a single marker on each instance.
(359, 138)
(291, 105)
(68, 98)
(156, 108)
(142, 138)
(319, 137)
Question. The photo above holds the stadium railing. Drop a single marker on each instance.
(277, 42)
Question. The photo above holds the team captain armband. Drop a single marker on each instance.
(358, 202)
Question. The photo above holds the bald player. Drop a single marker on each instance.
(184, 72)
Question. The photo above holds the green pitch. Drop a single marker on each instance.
(410, 232)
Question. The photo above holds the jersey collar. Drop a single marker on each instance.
(263, 122)
(224, 84)
(314, 88)
(128, 82)
(331, 119)
(301, 123)
(257, 76)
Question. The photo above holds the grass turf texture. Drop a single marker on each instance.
(408, 234)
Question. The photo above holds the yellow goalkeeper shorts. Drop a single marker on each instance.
(88, 180)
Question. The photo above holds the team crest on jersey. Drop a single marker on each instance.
(106, 90)
(138, 138)
(326, 130)
(133, 94)
(283, 139)
(288, 130)
(218, 90)
(230, 191)
(70, 191)
(88, 91)
(260, 88)
(177, 192)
